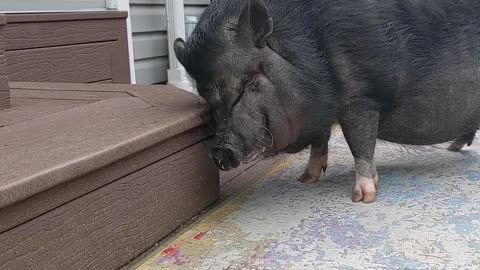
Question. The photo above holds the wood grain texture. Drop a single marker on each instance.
(4, 87)
(41, 203)
(4, 93)
(2, 38)
(107, 228)
(20, 36)
(4, 100)
(91, 185)
(3, 64)
(82, 47)
(76, 63)
(104, 82)
(58, 148)
(77, 149)
(120, 59)
(62, 17)
(156, 95)
(24, 109)
(3, 19)
(66, 95)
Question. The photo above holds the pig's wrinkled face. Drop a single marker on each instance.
(245, 114)
(241, 79)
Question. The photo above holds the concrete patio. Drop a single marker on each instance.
(426, 216)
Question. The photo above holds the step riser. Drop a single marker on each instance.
(4, 89)
(109, 226)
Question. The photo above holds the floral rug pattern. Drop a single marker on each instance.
(426, 216)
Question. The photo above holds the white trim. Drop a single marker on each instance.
(124, 5)
(177, 75)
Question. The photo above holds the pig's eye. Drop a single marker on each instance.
(239, 97)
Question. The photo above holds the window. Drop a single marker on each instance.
(10, 6)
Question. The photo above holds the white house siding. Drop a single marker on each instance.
(150, 47)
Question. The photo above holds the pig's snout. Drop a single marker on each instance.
(226, 157)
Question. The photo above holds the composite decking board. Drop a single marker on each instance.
(92, 87)
(4, 100)
(30, 35)
(149, 93)
(120, 58)
(4, 87)
(82, 47)
(77, 152)
(3, 65)
(22, 109)
(74, 63)
(67, 87)
(73, 120)
(66, 95)
(53, 141)
(107, 228)
(105, 81)
(96, 183)
(43, 202)
(62, 17)
(4, 93)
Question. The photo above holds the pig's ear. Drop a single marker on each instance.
(255, 21)
(179, 48)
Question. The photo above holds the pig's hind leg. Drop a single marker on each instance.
(318, 160)
(461, 141)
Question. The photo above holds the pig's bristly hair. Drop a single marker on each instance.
(295, 40)
(385, 46)
(206, 40)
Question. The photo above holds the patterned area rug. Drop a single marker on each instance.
(426, 216)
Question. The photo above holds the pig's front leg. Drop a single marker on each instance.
(317, 161)
(359, 127)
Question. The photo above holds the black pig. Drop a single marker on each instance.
(278, 74)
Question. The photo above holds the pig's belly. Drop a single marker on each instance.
(437, 114)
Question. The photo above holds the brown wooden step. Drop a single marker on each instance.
(92, 175)
(4, 90)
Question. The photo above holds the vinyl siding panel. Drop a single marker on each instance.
(44, 5)
(150, 43)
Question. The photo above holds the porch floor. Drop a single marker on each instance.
(426, 216)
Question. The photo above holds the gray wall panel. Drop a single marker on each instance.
(150, 45)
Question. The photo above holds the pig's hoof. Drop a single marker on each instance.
(365, 189)
(314, 169)
(308, 178)
(455, 146)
